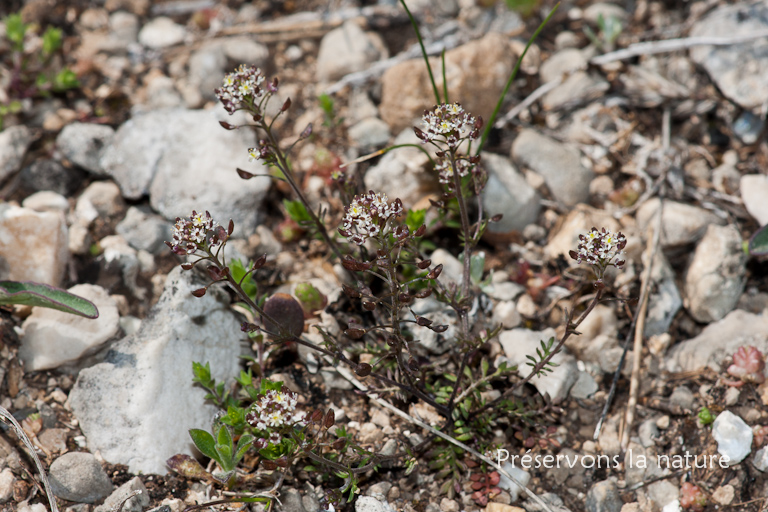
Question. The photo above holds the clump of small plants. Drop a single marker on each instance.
(380, 243)
(31, 67)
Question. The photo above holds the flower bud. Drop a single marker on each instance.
(424, 264)
(363, 369)
(413, 365)
(227, 126)
(317, 415)
(215, 272)
(260, 262)
(307, 132)
(230, 227)
(286, 105)
(422, 321)
(199, 292)
(350, 292)
(439, 328)
(354, 333)
(330, 419)
(339, 444)
(269, 465)
(404, 298)
(421, 230)
(497, 217)
(435, 273)
(423, 294)
(282, 462)
(244, 174)
(368, 305)
(186, 266)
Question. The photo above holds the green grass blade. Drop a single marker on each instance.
(445, 82)
(423, 51)
(492, 120)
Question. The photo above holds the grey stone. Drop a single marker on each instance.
(45, 174)
(135, 408)
(161, 32)
(681, 223)
(682, 397)
(715, 277)
(369, 134)
(83, 144)
(243, 49)
(607, 10)
(584, 387)
(604, 497)
(53, 338)
(508, 193)
(665, 301)
(291, 499)
(6, 485)
(748, 127)
(124, 27)
(403, 173)
(733, 436)
(754, 190)
(559, 165)
(134, 504)
(740, 70)
(207, 67)
(186, 161)
(519, 343)
(101, 200)
(46, 201)
(648, 432)
(561, 62)
(14, 142)
(79, 477)
(719, 340)
(371, 504)
(345, 50)
(509, 485)
(33, 244)
(760, 460)
(145, 230)
(576, 90)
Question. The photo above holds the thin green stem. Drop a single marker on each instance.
(445, 82)
(489, 124)
(423, 51)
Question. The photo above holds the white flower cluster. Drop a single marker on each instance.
(448, 122)
(241, 86)
(367, 215)
(601, 248)
(189, 234)
(445, 170)
(274, 410)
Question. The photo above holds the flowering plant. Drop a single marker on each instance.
(601, 249)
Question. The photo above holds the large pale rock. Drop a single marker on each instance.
(403, 172)
(53, 338)
(559, 164)
(681, 223)
(14, 142)
(754, 190)
(137, 407)
(79, 477)
(508, 193)
(715, 277)
(186, 161)
(476, 74)
(345, 50)
(519, 343)
(33, 244)
(719, 340)
(740, 70)
(161, 32)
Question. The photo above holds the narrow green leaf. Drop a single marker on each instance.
(42, 295)
(758, 244)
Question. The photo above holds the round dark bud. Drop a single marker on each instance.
(419, 134)
(246, 327)
(260, 443)
(307, 131)
(368, 305)
(269, 465)
(497, 217)
(423, 294)
(260, 262)
(186, 266)
(286, 310)
(439, 328)
(286, 105)
(573, 254)
(199, 292)
(244, 174)
(421, 230)
(214, 272)
(330, 419)
(350, 292)
(422, 321)
(339, 444)
(317, 415)
(354, 333)
(227, 126)
(424, 264)
(413, 365)
(363, 369)
(404, 298)
(282, 462)
(231, 227)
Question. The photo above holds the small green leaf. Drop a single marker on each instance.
(205, 443)
(248, 285)
(43, 295)
(51, 40)
(65, 79)
(15, 29)
(297, 211)
(758, 244)
(476, 265)
(202, 373)
(243, 445)
(414, 219)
